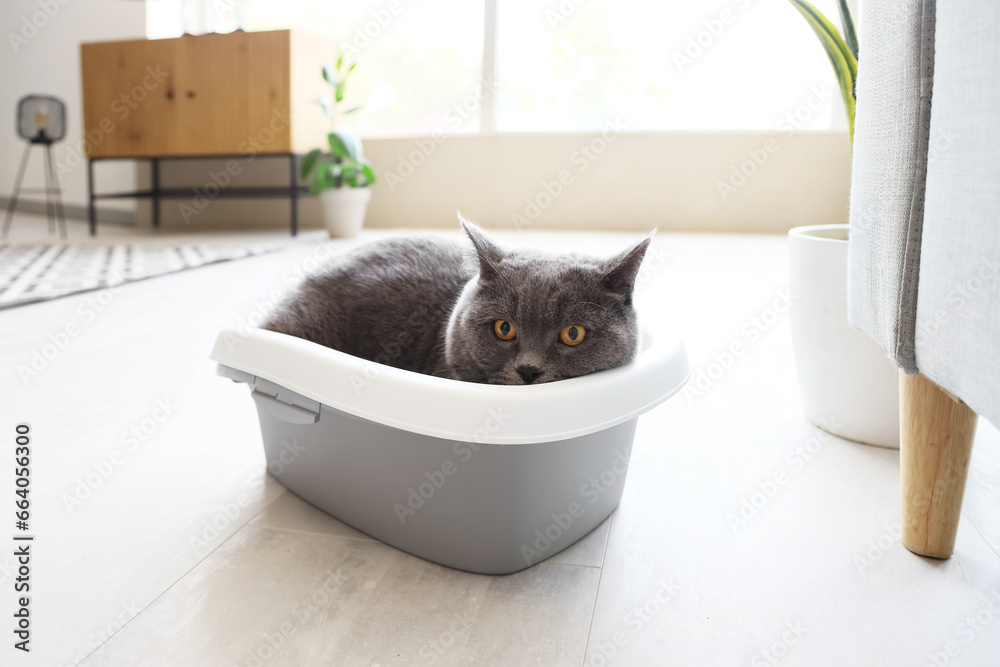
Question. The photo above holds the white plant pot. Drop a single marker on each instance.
(344, 210)
(849, 386)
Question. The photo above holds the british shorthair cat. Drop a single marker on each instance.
(476, 313)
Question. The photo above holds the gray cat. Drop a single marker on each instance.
(480, 314)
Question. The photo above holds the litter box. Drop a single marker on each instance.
(483, 478)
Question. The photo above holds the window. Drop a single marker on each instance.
(675, 65)
(559, 65)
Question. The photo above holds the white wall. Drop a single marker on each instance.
(48, 62)
(675, 181)
(678, 181)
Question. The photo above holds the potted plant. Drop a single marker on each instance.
(340, 178)
(849, 386)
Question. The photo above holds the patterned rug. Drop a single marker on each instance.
(38, 272)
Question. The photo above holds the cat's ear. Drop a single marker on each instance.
(622, 270)
(488, 252)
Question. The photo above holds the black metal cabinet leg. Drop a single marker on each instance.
(156, 191)
(91, 203)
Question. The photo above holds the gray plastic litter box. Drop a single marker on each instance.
(484, 478)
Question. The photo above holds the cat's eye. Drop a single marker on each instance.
(504, 329)
(573, 335)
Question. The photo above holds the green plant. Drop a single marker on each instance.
(842, 51)
(345, 164)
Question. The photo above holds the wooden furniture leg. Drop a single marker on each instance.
(936, 433)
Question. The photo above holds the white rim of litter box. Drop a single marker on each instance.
(461, 411)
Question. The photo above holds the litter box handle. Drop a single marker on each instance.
(293, 414)
(286, 412)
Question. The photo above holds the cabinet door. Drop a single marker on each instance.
(235, 93)
(130, 108)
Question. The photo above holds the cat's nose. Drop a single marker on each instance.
(528, 373)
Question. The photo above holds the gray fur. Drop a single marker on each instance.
(428, 305)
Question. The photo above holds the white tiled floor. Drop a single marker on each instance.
(184, 552)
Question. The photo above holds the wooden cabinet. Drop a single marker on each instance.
(214, 94)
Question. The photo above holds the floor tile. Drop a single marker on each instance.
(296, 598)
(589, 551)
(426, 614)
(266, 597)
(289, 512)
